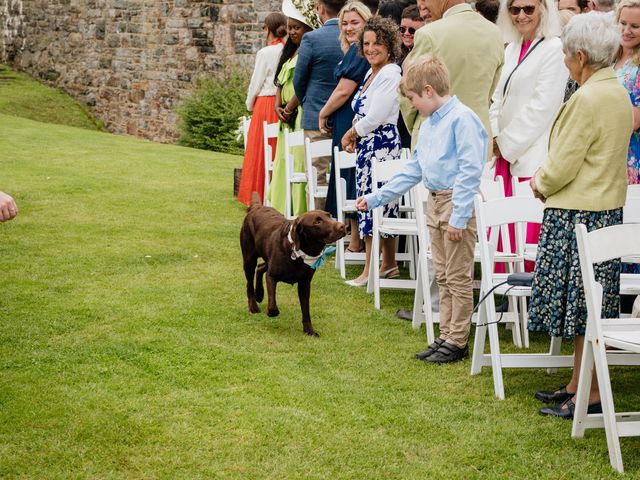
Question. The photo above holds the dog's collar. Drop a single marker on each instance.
(314, 262)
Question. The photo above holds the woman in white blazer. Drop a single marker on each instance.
(530, 91)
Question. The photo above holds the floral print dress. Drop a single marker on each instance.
(383, 144)
(629, 79)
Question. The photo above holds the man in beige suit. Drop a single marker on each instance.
(472, 49)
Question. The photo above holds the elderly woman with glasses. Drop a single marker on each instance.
(583, 180)
(529, 93)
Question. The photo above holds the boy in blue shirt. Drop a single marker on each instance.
(449, 158)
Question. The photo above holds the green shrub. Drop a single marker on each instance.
(211, 114)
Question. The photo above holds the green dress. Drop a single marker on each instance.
(276, 194)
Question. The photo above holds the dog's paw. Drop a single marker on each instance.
(311, 333)
(273, 312)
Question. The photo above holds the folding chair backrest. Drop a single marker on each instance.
(501, 211)
(384, 171)
(521, 189)
(313, 150)
(292, 139)
(246, 122)
(599, 246)
(491, 189)
(343, 160)
(269, 131)
(633, 191)
(494, 215)
(631, 211)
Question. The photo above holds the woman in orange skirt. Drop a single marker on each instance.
(261, 102)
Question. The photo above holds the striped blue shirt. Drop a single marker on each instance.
(450, 154)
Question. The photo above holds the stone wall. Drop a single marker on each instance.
(130, 61)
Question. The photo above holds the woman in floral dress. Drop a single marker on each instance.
(628, 15)
(374, 133)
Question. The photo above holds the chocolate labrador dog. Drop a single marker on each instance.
(291, 250)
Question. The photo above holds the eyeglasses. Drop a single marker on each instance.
(411, 30)
(528, 10)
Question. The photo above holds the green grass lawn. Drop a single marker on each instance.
(126, 348)
(21, 96)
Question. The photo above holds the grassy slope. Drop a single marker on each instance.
(21, 96)
(126, 350)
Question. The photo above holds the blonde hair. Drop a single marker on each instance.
(357, 7)
(549, 21)
(565, 15)
(426, 70)
(635, 55)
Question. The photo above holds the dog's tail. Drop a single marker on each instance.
(255, 200)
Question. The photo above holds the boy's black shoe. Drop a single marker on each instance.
(431, 349)
(448, 353)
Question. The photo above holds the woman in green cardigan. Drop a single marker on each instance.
(583, 180)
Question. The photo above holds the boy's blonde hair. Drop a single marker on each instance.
(426, 70)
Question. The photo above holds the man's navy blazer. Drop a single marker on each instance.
(313, 80)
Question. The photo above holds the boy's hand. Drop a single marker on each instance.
(455, 234)
(361, 204)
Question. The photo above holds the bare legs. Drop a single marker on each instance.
(572, 386)
(388, 247)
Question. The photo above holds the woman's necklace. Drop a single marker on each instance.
(370, 79)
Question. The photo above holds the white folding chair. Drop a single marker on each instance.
(490, 189)
(292, 176)
(492, 215)
(344, 206)
(313, 150)
(269, 131)
(382, 172)
(621, 333)
(631, 211)
(422, 301)
(246, 122)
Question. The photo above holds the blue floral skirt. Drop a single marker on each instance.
(557, 300)
(383, 144)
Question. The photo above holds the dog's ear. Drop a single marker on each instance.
(296, 231)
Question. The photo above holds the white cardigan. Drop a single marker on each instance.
(381, 104)
(522, 118)
(263, 74)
